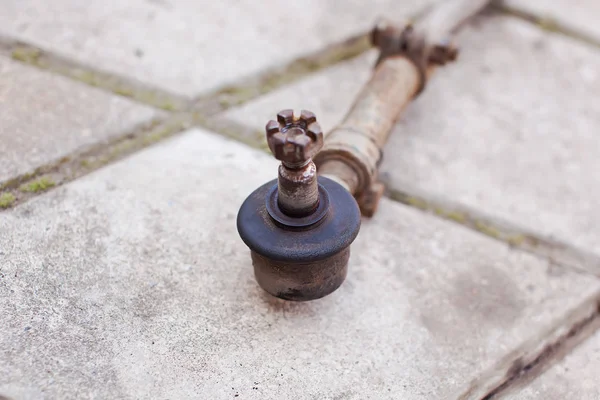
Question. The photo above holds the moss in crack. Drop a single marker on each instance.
(121, 87)
(87, 77)
(160, 134)
(235, 95)
(6, 200)
(452, 215)
(25, 54)
(38, 185)
(549, 24)
(416, 202)
(516, 240)
(488, 230)
(14, 182)
(168, 106)
(123, 91)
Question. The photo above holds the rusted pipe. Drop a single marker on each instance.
(353, 150)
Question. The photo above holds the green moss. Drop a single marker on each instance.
(122, 91)
(26, 54)
(416, 202)
(87, 77)
(156, 99)
(452, 215)
(39, 185)
(237, 91)
(14, 182)
(488, 230)
(548, 24)
(6, 200)
(168, 106)
(120, 148)
(516, 240)
(121, 88)
(234, 95)
(159, 134)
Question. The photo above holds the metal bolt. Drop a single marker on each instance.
(294, 141)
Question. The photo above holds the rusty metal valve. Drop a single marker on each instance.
(298, 227)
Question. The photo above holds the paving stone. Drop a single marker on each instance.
(46, 117)
(132, 282)
(189, 46)
(576, 377)
(329, 94)
(580, 15)
(510, 129)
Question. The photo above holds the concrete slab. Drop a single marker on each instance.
(580, 15)
(190, 47)
(509, 129)
(329, 94)
(45, 117)
(576, 377)
(132, 283)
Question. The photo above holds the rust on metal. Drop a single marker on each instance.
(300, 258)
(408, 56)
(353, 150)
(294, 141)
(282, 279)
(298, 227)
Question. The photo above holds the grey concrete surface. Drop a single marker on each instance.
(329, 94)
(510, 128)
(131, 282)
(189, 46)
(46, 117)
(576, 377)
(579, 15)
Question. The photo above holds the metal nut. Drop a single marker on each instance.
(294, 141)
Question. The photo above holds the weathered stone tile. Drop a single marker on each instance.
(576, 377)
(45, 117)
(188, 46)
(510, 128)
(132, 283)
(580, 15)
